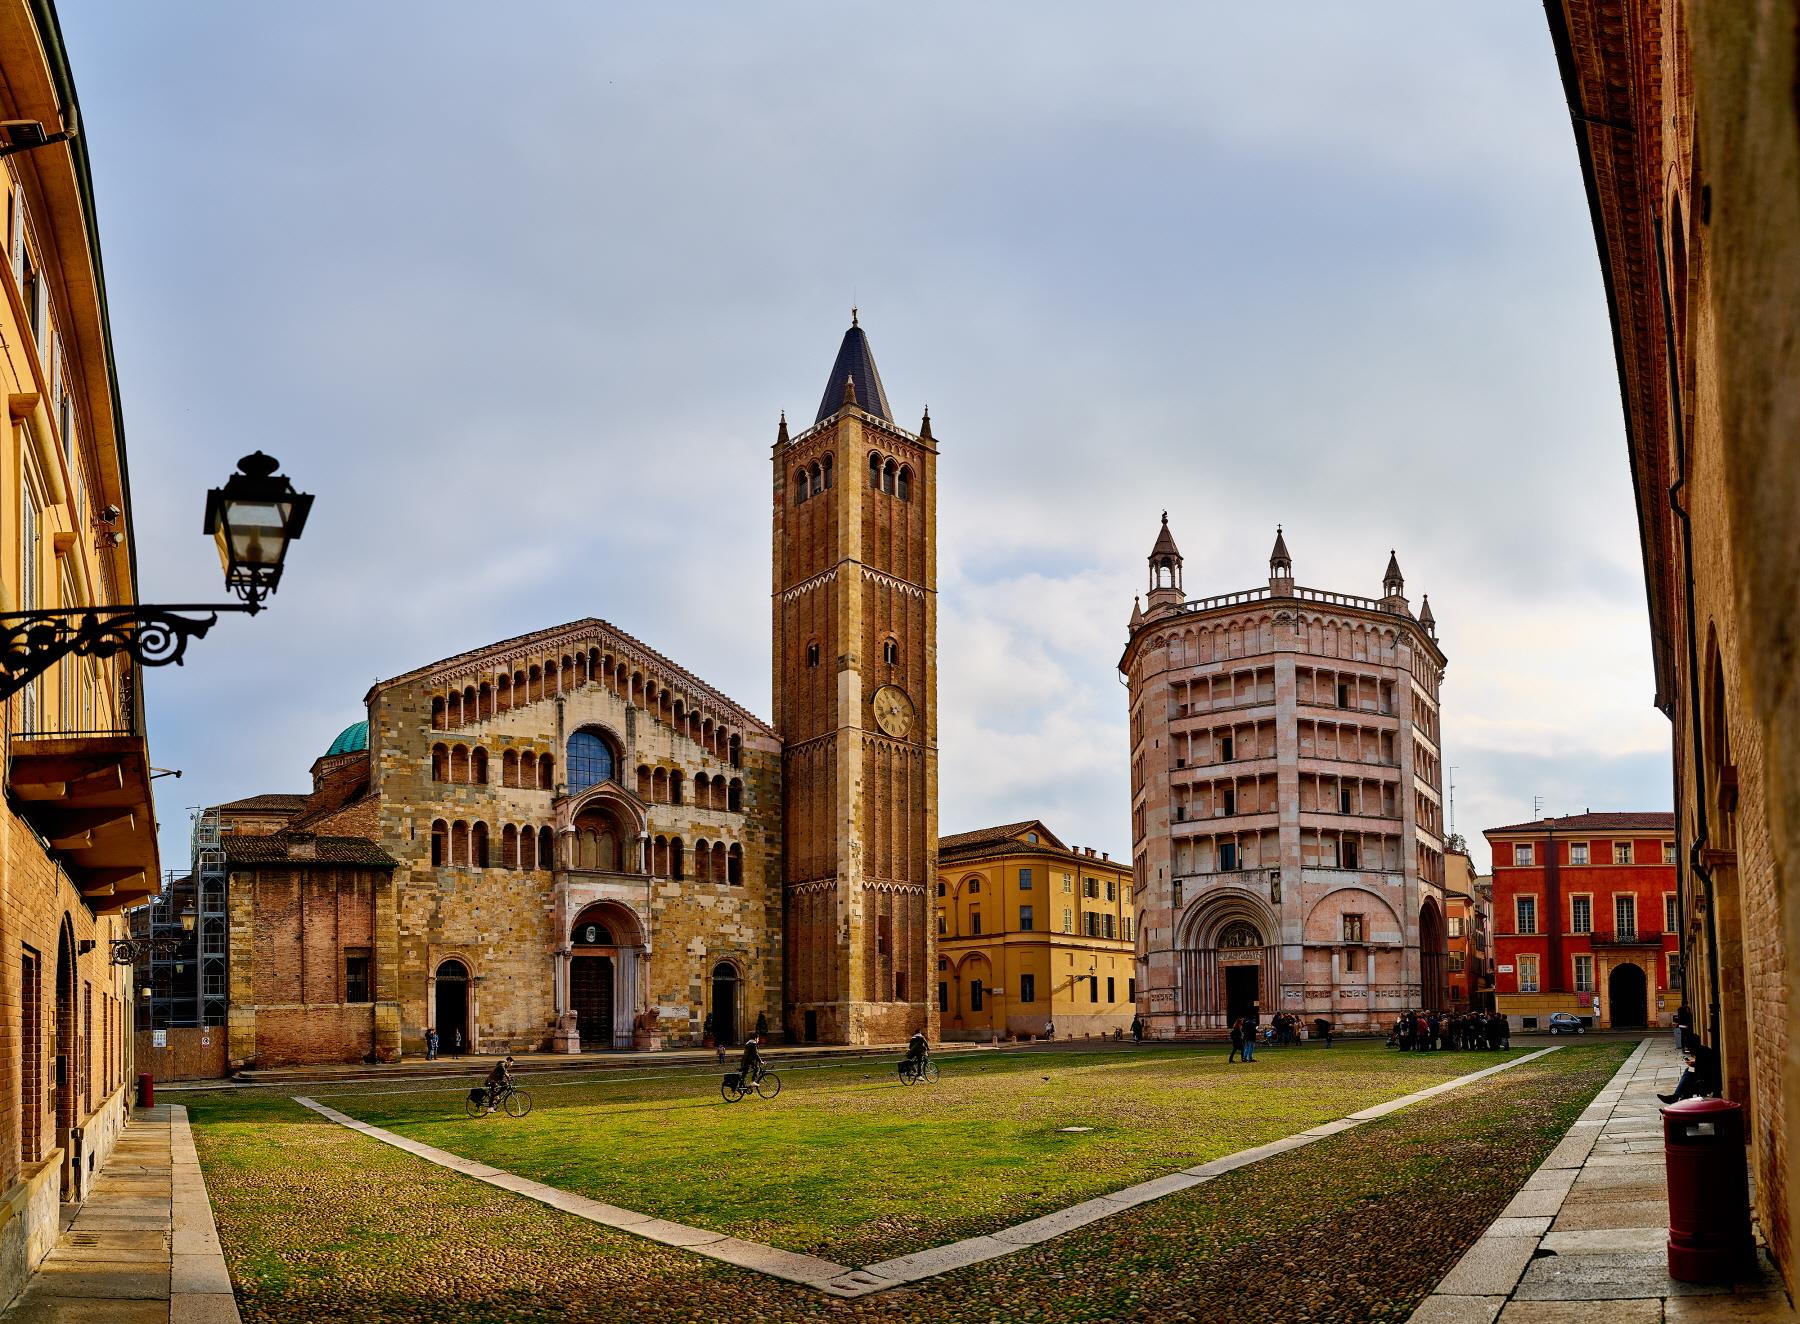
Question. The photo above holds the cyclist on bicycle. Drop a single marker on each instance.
(917, 1050)
(750, 1067)
(499, 1080)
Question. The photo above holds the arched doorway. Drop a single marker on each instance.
(725, 1003)
(1434, 984)
(591, 995)
(1629, 997)
(606, 951)
(65, 1047)
(1240, 970)
(451, 1007)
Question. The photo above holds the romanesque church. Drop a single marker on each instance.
(569, 841)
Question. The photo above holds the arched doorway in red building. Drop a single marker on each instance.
(1628, 996)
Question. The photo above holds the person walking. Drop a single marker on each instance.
(1249, 1039)
(431, 1045)
(1237, 1041)
(456, 1044)
(1137, 1030)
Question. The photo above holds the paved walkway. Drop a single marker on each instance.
(143, 1249)
(846, 1281)
(1585, 1239)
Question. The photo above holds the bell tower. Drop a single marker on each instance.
(855, 678)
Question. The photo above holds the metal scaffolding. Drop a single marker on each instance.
(211, 926)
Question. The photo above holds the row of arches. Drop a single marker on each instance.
(886, 474)
(668, 786)
(464, 845)
(459, 765)
(811, 480)
(596, 844)
(476, 702)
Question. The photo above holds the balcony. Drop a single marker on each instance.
(87, 793)
(1623, 937)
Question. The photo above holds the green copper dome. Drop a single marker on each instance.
(353, 739)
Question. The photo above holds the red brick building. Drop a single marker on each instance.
(1586, 920)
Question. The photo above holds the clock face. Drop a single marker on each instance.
(893, 710)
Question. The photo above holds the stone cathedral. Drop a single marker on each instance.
(568, 841)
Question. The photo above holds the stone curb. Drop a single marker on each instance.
(843, 1281)
(199, 1281)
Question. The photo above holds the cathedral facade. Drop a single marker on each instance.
(1286, 781)
(578, 844)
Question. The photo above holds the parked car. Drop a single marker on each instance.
(1562, 1022)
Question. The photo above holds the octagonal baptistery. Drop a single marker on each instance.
(1287, 830)
(589, 838)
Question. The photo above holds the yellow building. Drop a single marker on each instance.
(1032, 933)
(78, 830)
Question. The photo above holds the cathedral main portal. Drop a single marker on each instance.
(591, 995)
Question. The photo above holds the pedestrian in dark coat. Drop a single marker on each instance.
(431, 1045)
(1137, 1029)
(1237, 1040)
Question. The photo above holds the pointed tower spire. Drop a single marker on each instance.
(1165, 569)
(781, 433)
(1281, 567)
(925, 426)
(1426, 619)
(855, 364)
(1392, 581)
(1137, 612)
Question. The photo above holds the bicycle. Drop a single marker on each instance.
(734, 1087)
(514, 1100)
(912, 1071)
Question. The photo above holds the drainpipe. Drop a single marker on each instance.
(1696, 852)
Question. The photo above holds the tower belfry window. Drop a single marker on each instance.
(812, 655)
(874, 471)
(889, 473)
(890, 653)
(905, 483)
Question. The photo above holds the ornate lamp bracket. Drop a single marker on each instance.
(127, 951)
(31, 642)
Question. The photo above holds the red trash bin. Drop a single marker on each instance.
(146, 1090)
(1709, 1191)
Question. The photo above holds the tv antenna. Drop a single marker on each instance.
(1537, 806)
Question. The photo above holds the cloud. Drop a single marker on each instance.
(521, 304)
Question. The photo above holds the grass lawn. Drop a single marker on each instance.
(319, 1223)
(853, 1166)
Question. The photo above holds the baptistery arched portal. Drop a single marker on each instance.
(1226, 963)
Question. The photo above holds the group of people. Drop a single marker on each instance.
(432, 1042)
(1428, 1031)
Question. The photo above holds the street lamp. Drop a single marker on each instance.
(253, 518)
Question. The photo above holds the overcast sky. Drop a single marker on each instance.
(519, 291)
